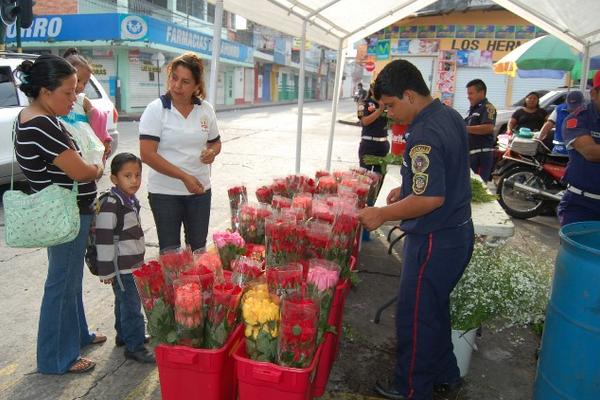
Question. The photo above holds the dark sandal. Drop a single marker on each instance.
(98, 338)
(82, 365)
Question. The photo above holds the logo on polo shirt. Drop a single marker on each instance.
(204, 126)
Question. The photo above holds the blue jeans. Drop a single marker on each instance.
(129, 321)
(170, 211)
(62, 327)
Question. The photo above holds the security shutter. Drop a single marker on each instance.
(522, 86)
(425, 65)
(144, 84)
(496, 87)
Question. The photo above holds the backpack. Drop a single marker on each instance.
(91, 254)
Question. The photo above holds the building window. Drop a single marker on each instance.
(194, 8)
(210, 13)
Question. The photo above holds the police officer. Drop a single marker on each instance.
(373, 140)
(480, 127)
(581, 134)
(573, 101)
(433, 204)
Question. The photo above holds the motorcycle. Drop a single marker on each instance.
(529, 178)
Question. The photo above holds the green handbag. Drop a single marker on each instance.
(46, 218)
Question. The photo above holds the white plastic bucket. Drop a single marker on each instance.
(464, 344)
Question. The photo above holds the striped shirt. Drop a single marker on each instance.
(37, 143)
(125, 236)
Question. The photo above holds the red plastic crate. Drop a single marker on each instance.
(266, 381)
(189, 373)
(331, 343)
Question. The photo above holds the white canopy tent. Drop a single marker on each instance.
(338, 23)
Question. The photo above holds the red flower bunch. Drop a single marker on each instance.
(280, 202)
(343, 234)
(150, 283)
(321, 173)
(252, 222)
(284, 279)
(237, 196)
(256, 252)
(264, 194)
(174, 263)
(303, 201)
(279, 187)
(284, 240)
(222, 314)
(318, 236)
(321, 211)
(298, 336)
(189, 317)
(245, 269)
(327, 185)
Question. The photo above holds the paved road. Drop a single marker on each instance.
(258, 145)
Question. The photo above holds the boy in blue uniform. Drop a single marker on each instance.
(434, 206)
(581, 134)
(480, 127)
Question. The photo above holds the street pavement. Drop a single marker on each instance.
(258, 145)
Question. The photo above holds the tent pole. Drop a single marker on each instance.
(300, 97)
(216, 52)
(334, 102)
(585, 67)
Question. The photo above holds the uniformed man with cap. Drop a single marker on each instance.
(434, 205)
(581, 134)
(573, 101)
(480, 127)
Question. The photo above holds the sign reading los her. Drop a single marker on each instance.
(481, 44)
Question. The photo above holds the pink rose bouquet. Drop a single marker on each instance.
(229, 245)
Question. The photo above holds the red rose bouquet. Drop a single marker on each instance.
(174, 262)
(343, 233)
(245, 269)
(323, 277)
(317, 237)
(326, 185)
(188, 311)
(252, 222)
(279, 187)
(264, 194)
(222, 314)
(229, 245)
(297, 342)
(150, 284)
(284, 279)
(321, 173)
(284, 239)
(280, 202)
(303, 201)
(237, 196)
(321, 211)
(256, 252)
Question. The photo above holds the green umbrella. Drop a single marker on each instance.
(543, 53)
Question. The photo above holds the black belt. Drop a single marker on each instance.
(374, 138)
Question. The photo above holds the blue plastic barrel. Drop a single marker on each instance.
(569, 363)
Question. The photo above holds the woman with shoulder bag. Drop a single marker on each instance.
(48, 156)
(179, 139)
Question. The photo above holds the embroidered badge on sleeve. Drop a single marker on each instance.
(419, 183)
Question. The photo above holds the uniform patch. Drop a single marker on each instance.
(491, 110)
(419, 183)
(361, 107)
(419, 162)
(571, 123)
(420, 148)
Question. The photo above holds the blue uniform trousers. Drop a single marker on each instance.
(432, 265)
(577, 208)
(482, 164)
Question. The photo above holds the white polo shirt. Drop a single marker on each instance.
(181, 140)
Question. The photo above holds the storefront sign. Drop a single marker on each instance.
(481, 44)
(68, 27)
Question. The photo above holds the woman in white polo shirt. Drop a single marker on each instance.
(179, 139)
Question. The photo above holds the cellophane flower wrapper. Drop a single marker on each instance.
(264, 194)
(343, 234)
(318, 237)
(260, 312)
(320, 173)
(321, 211)
(246, 270)
(303, 201)
(150, 284)
(295, 184)
(206, 277)
(229, 245)
(237, 196)
(256, 252)
(222, 314)
(285, 239)
(299, 327)
(252, 222)
(279, 187)
(174, 262)
(285, 279)
(326, 185)
(189, 314)
(280, 202)
(322, 279)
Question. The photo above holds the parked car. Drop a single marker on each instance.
(12, 101)
(548, 101)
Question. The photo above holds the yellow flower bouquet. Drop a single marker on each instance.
(260, 312)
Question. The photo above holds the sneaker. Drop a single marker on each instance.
(387, 390)
(447, 390)
(143, 356)
(120, 343)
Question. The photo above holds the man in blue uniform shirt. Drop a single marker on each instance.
(434, 206)
(480, 127)
(581, 134)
